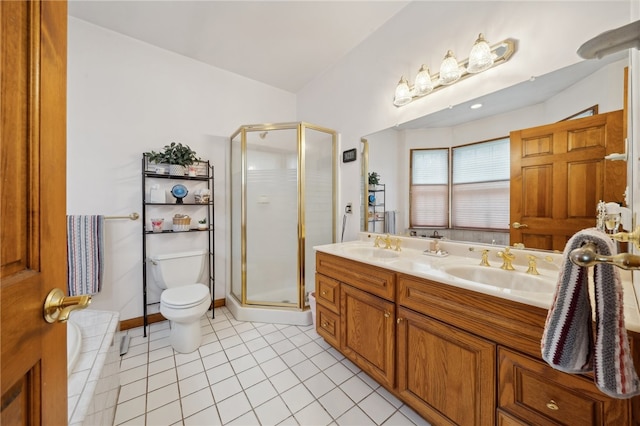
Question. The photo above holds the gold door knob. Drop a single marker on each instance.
(57, 306)
(518, 225)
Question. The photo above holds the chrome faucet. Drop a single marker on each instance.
(507, 257)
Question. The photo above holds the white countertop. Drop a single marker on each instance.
(535, 290)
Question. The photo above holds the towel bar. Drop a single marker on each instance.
(132, 216)
(587, 256)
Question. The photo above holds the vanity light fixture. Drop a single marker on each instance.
(481, 58)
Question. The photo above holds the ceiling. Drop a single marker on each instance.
(285, 44)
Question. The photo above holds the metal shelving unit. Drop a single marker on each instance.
(150, 177)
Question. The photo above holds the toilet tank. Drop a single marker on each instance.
(177, 269)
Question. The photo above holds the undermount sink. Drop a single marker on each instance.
(375, 252)
(496, 277)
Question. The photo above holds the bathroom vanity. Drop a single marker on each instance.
(458, 351)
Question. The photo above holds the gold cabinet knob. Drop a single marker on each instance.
(324, 293)
(325, 325)
(386, 314)
(551, 405)
(57, 306)
(399, 320)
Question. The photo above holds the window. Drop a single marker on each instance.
(429, 188)
(480, 185)
(478, 190)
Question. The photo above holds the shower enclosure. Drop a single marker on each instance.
(282, 204)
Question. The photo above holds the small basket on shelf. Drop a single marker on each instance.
(181, 223)
(202, 196)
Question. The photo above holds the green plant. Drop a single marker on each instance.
(374, 178)
(203, 220)
(176, 153)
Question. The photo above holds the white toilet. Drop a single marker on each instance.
(183, 300)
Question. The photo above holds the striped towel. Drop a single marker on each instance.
(568, 339)
(85, 251)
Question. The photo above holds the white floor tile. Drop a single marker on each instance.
(319, 384)
(130, 409)
(166, 414)
(162, 396)
(196, 402)
(249, 374)
(272, 412)
(355, 417)
(260, 393)
(219, 373)
(377, 408)
(160, 380)
(297, 398)
(356, 388)
(192, 384)
(336, 402)
(226, 388)
(208, 416)
(284, 380)
(233, 407)
(313, 414)
(190, 368)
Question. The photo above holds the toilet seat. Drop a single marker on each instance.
(184, 297)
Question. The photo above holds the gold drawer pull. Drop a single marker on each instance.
(551, 405)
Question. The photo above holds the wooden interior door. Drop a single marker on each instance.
(32, 227)
(558, 176)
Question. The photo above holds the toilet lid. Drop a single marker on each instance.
(185, 296)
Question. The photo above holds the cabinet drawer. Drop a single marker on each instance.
(328, 325)
(328, 292)
(538, 394)
(374, 280)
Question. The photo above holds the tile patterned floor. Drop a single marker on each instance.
(249, 374)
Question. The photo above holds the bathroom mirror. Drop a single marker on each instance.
(547, 99)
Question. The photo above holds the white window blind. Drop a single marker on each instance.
(480, 185)
(429, 204)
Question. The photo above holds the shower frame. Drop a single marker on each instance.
(301, 128)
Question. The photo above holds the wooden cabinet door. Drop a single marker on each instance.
(558, 175)
(445, 374)
(368, 333)
(33, 258)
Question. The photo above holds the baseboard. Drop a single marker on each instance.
(153, 318)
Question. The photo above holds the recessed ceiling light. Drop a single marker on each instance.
(476, 106)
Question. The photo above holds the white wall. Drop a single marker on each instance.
(126, 97)
(355, 96)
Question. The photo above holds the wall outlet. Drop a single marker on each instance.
(348, 209)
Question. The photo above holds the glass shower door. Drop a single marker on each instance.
(272, 217)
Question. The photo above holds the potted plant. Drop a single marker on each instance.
(202, 223)
(177, 155)
(374, 179)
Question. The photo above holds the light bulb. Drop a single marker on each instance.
(403, 93)
(423, 83)
(450, 71)
(480, 58)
